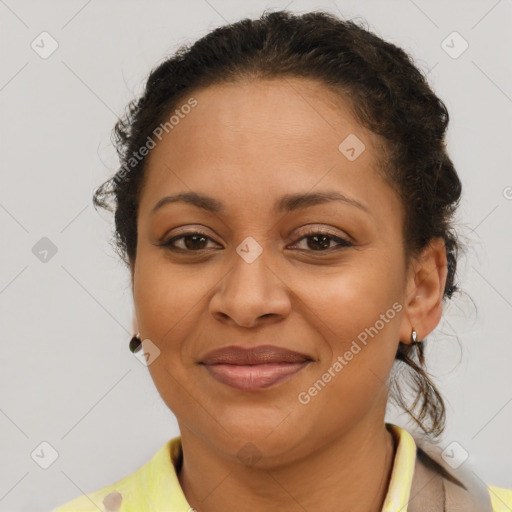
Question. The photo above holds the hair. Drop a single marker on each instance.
(387, 94)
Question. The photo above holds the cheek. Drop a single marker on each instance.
(163, 297)
(164, 302)
(356, 312)
(353, 297)
(359, 353)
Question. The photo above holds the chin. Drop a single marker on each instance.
(269, 443)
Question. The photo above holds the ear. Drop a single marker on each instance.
(426, 281)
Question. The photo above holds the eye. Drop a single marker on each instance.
(191, 240)
(194, 241)
(321, 241)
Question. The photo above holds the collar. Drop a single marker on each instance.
(160, 480)
(421, 480)
(156, 484)
(399, 488)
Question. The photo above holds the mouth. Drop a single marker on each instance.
(254, 368)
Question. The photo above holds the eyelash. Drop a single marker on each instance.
(342, 242)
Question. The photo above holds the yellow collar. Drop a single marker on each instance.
(399, 485)
(156, 483)
(402, 472)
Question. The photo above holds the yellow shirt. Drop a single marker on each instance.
(155, 487)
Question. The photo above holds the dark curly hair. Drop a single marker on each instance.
(387, 94)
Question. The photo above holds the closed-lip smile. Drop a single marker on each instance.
(253, 368)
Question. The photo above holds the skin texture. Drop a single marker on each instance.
(246, 144)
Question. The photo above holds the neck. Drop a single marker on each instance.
(349, 473)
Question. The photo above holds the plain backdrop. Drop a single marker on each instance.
(67, 378)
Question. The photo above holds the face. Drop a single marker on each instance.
(325, 278)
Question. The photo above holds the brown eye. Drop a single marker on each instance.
(193, 241)
(321, 241)
(196, 241)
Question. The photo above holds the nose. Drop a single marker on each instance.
(250, 293)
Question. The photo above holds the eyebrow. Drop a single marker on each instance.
(286, 203)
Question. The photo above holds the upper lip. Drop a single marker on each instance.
(253, 355)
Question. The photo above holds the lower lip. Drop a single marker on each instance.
(254, 377)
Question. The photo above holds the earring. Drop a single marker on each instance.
(419, 346)
(135, 343)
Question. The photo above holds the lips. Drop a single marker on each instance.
(264, 354)
(253, 369)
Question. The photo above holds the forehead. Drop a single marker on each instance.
(268, 112)
(249, 138)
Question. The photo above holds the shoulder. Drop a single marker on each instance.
(155, 483)
(92, 502)
(501, 499)
(128, 491)
(461, 486)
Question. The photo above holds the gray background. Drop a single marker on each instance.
(66, 374)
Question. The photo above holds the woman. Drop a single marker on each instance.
(284, 204)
